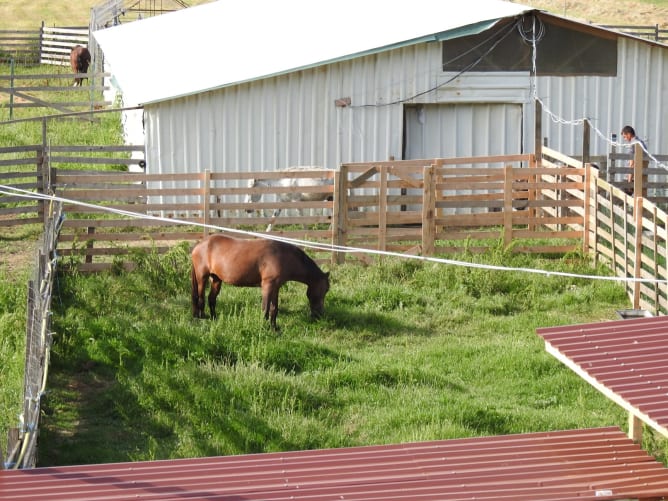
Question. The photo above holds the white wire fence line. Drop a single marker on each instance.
(7, 190)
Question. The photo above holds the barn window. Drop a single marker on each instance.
(562, 50)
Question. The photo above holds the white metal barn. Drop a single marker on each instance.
(263, 85)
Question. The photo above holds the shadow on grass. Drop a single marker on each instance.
(370, 326)
(135, 383)
(97, 412)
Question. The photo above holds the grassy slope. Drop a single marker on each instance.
(406, 351)
(28, 14)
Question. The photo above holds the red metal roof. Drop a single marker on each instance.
(627, 360)
(599, 463)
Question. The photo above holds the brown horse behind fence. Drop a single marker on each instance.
(254, 263)
(79, 61)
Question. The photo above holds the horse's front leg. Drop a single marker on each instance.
(270, 302)
(213, 294)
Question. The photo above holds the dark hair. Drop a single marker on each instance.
(628, 130)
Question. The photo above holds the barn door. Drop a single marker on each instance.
(462, 130)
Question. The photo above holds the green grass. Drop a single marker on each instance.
(12, 348)
(407, 351)
(16, 259)
(17, 244)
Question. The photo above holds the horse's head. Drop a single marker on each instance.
(316, 295)
(253, 197)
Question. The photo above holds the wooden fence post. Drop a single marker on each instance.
(588, 186)
(43, 172)
(11, 89)
(340, 216)
(382, 209)
(507, 205)
(639, 172)
(428, 210)
(206, 201)
(586, 140)
(538, 131)
(637, 251)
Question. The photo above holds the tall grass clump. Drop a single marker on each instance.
(13, 292)
(407, 350)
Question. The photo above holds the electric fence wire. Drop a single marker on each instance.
(20, 193)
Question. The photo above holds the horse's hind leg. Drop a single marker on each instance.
(270, 303)
(197, 294)
(213, 294)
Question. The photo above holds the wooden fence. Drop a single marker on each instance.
(29, 168)
(630, 235)
(22, 46)
(45, 45)
(434, 207)
(21, 168)
(460, 204)
(57, 43)
(428, 207)
(53, 90)
(94, 239)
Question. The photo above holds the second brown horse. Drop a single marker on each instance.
(254, 263)
(79, 61)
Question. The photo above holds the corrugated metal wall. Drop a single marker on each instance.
(637, 96)
(292, 119)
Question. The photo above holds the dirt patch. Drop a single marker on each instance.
(18, 246)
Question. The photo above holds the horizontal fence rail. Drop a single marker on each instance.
(29, 169)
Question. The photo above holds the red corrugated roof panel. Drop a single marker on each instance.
(599, 463)
(625, 359)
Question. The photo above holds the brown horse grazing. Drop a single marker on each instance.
(79, 61)
(254, 263)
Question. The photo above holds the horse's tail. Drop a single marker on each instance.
(194, 292)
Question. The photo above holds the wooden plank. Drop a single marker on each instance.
(361, 179)
(428, 211)
(16, 162)
(35, 100)
(137, 238)
(20, 222)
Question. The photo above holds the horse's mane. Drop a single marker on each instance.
(307, 260)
